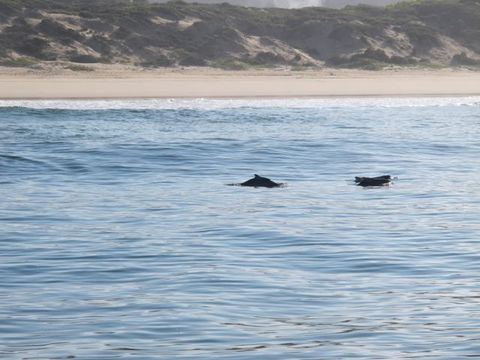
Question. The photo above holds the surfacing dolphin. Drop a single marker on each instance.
(382, 180)
(260, 181)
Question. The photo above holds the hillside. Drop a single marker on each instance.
(427, 32)
(341, 3)
(290, 4)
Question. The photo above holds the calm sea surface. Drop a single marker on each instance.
(120, 239)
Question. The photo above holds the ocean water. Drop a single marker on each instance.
(120, 239)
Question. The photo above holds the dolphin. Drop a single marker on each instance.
(373, 181)
(260, 181)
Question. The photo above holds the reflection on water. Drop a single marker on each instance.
(120, 239)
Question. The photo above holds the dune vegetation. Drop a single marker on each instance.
(437, 33)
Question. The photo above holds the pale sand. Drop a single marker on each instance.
(123, 82)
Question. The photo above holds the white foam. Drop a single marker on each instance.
(212, 104)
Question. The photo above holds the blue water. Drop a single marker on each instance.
(120, 239)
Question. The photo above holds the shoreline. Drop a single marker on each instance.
(121, 83)
(258, 98)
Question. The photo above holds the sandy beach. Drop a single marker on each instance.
(123, 82)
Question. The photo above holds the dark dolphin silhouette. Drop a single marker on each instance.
(373, 181)
(260, 181)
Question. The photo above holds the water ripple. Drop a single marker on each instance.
(119, 238)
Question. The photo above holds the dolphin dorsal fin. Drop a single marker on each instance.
(256, 175)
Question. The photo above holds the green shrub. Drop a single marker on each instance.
(422, 35)
(18, 62)
(160, 61)
(192, 60)
(83, 59)
(75, 67)
(32, 47)
(231, 64)
(370, 59)
(57, 30)
(266, 58)
(463, 60)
